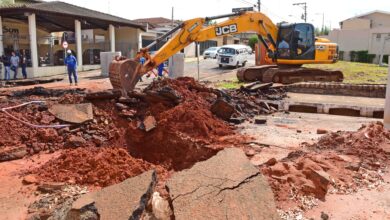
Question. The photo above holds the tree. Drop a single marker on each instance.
(321, 32)
(253, 41)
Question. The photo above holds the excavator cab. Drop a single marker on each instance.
(296, 42)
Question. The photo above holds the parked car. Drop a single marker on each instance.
(233, 55)
(59, 57)
(211, 52)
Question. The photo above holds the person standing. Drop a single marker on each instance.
(14, 64)
(7, 67)
(161, 70)
(23, 63)
(71, 63)
(142, 60)
(1, 64)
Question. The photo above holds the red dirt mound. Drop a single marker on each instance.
(339, 163)
(185, 125)
(93, 166)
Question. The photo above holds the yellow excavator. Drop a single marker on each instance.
(286, 48)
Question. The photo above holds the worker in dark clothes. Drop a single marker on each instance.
(23, 63)
(7, 67)
(71, 63)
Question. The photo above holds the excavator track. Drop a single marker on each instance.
(124, 74)
(273, 73)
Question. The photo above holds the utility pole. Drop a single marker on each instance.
(304, 6)
(259, 5)
(172, 17)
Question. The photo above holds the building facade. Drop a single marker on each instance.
(41, 28)
(370, 31)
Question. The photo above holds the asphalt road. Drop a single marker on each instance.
(209, 69)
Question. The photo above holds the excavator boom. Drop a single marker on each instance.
(124, 74)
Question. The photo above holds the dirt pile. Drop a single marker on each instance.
(93, 166)
(186, 131)
(338, 163)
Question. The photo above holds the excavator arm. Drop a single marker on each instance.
(194, 30)
(124, 74)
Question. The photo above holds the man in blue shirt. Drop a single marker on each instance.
(71, 63)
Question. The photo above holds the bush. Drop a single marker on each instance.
(253, 41)
(353, 56)
(362, 56)
(341, 55)
(386, 59)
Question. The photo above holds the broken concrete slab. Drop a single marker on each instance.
(260, 87)
(75, 141)
(237, 120)
(322, 131)
(126, 200)
(108, 94)
(72, 113)
(8, 154)
(260, 120)
(222, 109)
(226, 186)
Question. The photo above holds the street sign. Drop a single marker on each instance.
(65, 44)
(236, 10)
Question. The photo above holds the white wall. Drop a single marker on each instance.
(349, 40)
(379, 19)
(356, 23)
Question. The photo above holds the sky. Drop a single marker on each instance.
(334, 11)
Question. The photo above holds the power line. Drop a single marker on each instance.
(247, 3)
(304, 17)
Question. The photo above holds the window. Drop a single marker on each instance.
(378, 37)
(304, 37)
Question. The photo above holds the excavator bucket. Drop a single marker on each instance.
(124, 74)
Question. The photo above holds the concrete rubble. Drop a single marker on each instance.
(226, 186)
(72, 113)
(126, 200)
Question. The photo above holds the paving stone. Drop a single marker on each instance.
(123, 201)
(226, 186)
(73, 113)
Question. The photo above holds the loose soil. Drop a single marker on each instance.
(93, 166)
(339, 163)
(186, 132)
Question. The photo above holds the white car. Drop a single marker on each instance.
(233, 55)
(211, 53)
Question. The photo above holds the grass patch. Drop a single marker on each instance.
(357, 73)
(234, 84)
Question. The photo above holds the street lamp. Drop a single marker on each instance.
(304, 6)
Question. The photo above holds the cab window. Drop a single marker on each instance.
(296, 42)
(303, 41)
